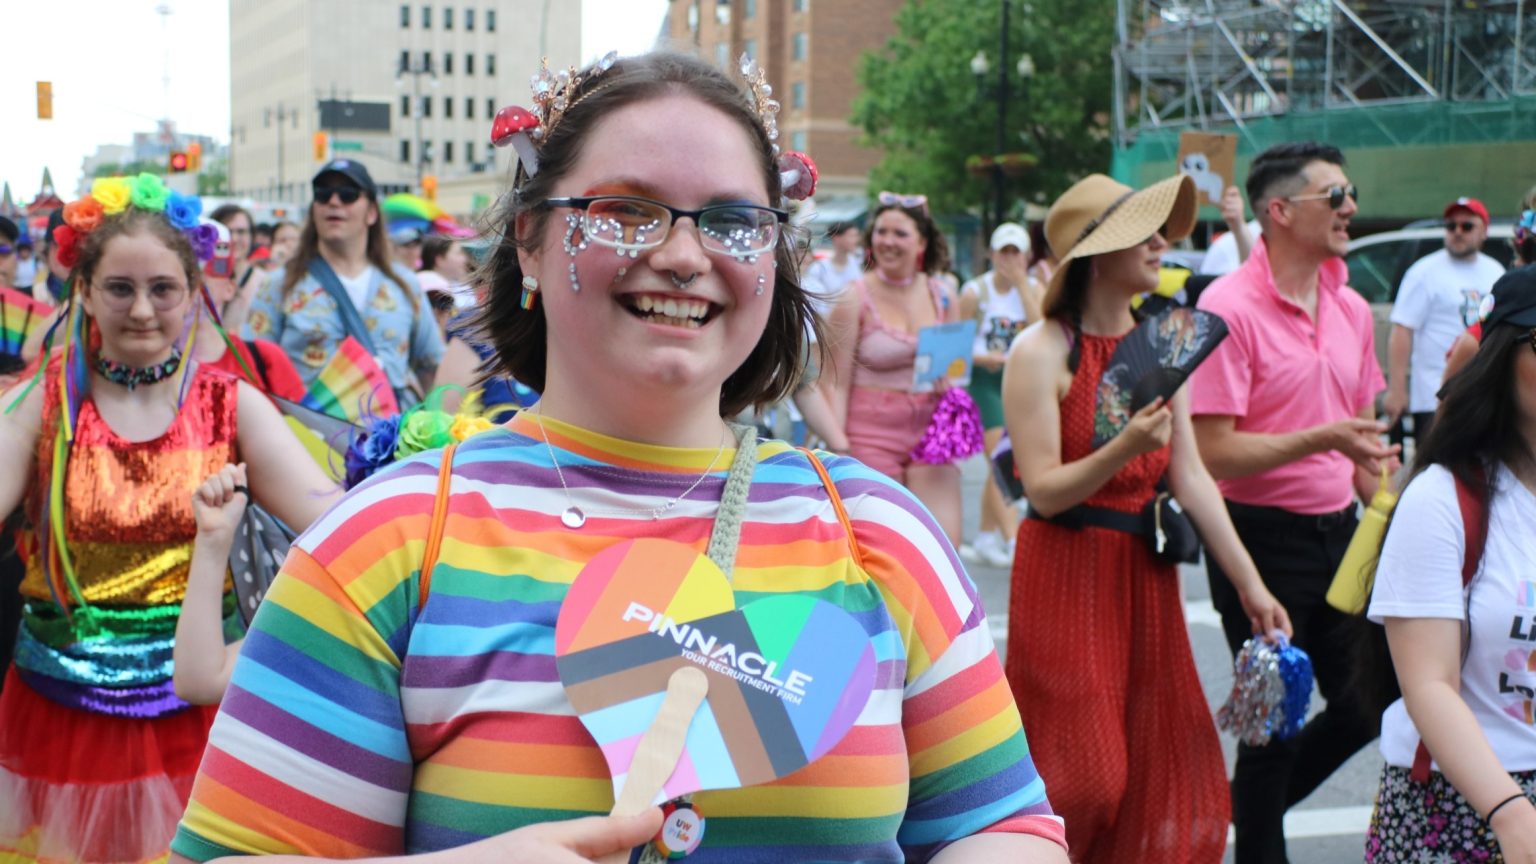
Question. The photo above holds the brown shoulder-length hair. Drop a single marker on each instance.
(296, 268)
(520, 336)
(936, 250)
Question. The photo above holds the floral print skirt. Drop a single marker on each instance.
(1431, 822)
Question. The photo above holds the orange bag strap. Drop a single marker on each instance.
(837, 505)
(435, 529)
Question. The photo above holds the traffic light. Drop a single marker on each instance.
(195, 156)
(322, 144)
(179, 162)
(45, 100)
(429, 187)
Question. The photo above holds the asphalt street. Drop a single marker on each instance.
(1327, 828)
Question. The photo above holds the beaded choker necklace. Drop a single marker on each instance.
(133, 376)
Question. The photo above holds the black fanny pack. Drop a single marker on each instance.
(1165, 525)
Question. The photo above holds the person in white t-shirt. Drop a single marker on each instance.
(1002, 301)
(826, 278)
(1466, 657)
(824, 281)
(1230, 249)
(1436, 302)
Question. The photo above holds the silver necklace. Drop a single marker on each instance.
(574, 517)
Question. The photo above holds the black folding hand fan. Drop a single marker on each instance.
(261, 544)
(1152, 361)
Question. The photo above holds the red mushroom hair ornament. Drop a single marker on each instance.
(797, 174)
(514, 125)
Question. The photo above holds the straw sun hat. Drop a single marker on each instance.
(1099, 214)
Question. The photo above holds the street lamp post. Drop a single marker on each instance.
(980, 66)
(282, 114)
(416, 69)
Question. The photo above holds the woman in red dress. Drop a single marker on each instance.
(1098, 655)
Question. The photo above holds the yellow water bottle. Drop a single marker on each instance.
(1357, 571)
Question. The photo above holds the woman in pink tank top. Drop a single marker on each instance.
(875, 346)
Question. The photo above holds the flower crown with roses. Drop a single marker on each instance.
(555, 93)
(112, 196)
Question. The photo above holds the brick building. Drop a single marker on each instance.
(810, 50)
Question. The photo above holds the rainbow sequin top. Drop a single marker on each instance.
(129, 529)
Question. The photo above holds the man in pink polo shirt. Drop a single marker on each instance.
(1285, 418)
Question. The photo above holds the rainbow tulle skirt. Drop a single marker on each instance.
(82, 786)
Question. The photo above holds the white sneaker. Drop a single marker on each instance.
(992, 549)
(968, 554)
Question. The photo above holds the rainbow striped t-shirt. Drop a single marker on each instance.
(356, 726)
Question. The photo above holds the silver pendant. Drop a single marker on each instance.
(573, 517)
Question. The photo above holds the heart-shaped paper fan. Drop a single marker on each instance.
(1152, 361)
(788, 674)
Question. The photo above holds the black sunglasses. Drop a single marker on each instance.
(6, 249)
(1334, 195)
(347, 194)
(1468, 227)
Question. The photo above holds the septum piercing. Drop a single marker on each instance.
(682, 283)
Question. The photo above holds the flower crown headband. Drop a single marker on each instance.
(111, 196)
(555, 93)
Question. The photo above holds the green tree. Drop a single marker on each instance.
(213, 179)
(130, 169)
(922, 106)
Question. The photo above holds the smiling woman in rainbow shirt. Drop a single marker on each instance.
(398, 693)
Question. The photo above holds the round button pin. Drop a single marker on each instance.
(682, 830)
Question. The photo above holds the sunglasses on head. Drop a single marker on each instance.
(1468, 226)
(347, 194)
(911, 202)
(1334, 196)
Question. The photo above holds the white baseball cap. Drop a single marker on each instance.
(1010, 234)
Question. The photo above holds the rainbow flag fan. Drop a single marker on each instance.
(405, 209)
(352, 386)
(20, 318)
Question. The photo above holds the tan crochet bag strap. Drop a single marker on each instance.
(435, 529)
(837, 505)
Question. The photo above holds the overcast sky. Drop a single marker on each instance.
(106, 60)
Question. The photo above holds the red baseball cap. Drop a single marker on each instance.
(1471, 205)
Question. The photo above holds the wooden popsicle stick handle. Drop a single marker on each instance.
(662, 744)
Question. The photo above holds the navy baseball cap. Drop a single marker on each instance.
(1512, 301)
(353, 170)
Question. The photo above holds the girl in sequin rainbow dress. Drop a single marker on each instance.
(97, 753)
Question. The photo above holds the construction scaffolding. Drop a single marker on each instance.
(1361, 74)
(1218, 62)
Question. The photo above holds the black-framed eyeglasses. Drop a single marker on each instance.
(632, 224)
(1467, 226)
(1334, 196)
(347, 194)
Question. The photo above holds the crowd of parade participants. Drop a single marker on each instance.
(589, 384)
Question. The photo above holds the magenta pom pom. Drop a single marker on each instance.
(954, 433)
